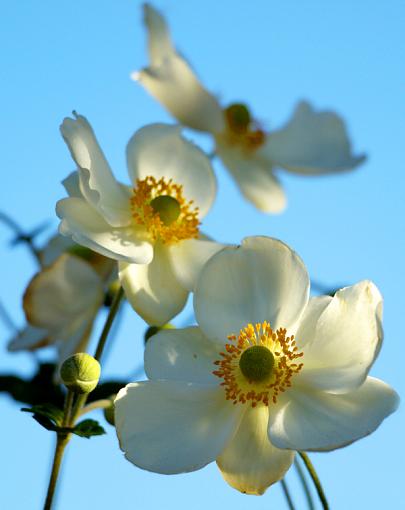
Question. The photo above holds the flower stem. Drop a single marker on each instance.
(73, 408)
(21, 235)
(61, 442)
(108, 323)
(103, 403)
(304, 484)
(315, 479)
(287, 494)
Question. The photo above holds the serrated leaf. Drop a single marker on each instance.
(88, 428)
(47, 411)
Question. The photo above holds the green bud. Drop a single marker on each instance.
(167, 207)
(257, 363)
(109, 412)
(238, 117)
(80, 373)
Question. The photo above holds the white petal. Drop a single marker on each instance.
(263, 279)
(341, 338)
(72, 185)
(63, 296)
(88, 228)
(152, 289)
(188, 258)
(172, 82)
(173, 427)
(159, 150)
(28, 339)
(250, 463)
(181, 355)
(316, 420)
(255, 179)
(312, 143)
(159, 40)
(97, 183)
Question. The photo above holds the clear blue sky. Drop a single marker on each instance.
(349, 56)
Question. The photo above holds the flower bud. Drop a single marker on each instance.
(80, 373)
(109, 411)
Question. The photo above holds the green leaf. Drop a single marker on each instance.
(52, 414)
(88, 428)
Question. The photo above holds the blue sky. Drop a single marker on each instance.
(346, 56)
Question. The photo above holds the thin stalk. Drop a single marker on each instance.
(287, 494)
(8, 321)
(304, 483)
(62, 439)
(108, 323)
(61, 442)
(103, 403)
(73, 408)
(315, 479)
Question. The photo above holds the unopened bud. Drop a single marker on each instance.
(109, 411)
(80, 373)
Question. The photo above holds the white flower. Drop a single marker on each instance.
(62, 300)
(310, 143)
(267, 372)
(151, 227)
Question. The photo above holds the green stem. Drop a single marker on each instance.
(304, 483)
(61, 442)
(108, 323)
(103, 403)
(287, 494)
(315, 479)
(73, 408)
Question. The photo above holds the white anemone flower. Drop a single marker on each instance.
(62, 300)
(150, 227)
(267, 372)
(311, 143)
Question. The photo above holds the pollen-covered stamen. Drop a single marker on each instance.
(242, 130)
(160, 207)
(258, 364)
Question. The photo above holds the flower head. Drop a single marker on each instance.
(310, 143)
(152, 227)
(268, 371)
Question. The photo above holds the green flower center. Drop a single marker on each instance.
(238, 117)
(257, 363)
(167, 207)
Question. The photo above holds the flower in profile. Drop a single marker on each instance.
(311, 143)
(62, 300)
(267, 372)
(151, 227)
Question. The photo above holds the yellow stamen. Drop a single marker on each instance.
(239, 387)
(149, 203)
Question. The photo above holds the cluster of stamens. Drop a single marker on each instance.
(242, 130)
(264, 385)
(160, 207)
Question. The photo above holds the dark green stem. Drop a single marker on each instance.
(108, 323)
(315, 479)
(305, 486)
(21, 235)
(287, 494)
(61, 442)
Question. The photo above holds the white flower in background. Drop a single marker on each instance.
(152, 226)
(310, 143)
(62, 300)
(267, 372)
